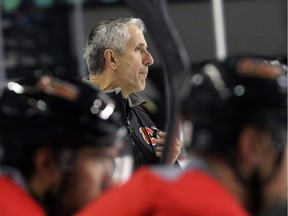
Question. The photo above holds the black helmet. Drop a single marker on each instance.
(59, 111)
(227, 95)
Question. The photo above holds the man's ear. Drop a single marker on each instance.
(110, 60)
(45, 162)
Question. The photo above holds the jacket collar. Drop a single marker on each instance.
(133, 98)
(15, 175)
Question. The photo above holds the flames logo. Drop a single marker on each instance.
(149, 132)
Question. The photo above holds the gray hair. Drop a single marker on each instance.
(109, 34)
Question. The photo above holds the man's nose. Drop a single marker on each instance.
(148, 59)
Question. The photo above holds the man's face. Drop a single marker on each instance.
(90, 177)
(132, 64)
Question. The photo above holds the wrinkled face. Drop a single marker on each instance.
(90, 177)
(132, 64)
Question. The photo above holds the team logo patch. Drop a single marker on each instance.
(149, 133)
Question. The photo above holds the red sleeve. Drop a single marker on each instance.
(133, 198)
(15, 201)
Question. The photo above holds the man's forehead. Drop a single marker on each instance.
(134, 42)
(137, 37)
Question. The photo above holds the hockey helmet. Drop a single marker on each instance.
(59, 111)
(227, 95)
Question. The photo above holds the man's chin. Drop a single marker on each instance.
(143, 85)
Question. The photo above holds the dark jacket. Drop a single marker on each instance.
(140, 134)
(138, 123)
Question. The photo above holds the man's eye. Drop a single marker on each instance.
(138, 49)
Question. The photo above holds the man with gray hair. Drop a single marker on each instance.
(118, 60)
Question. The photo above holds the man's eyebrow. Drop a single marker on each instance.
(142, 44)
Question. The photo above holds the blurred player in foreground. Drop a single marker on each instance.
(58, 141)
(235, 122)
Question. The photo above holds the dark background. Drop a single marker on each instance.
(49, 36)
